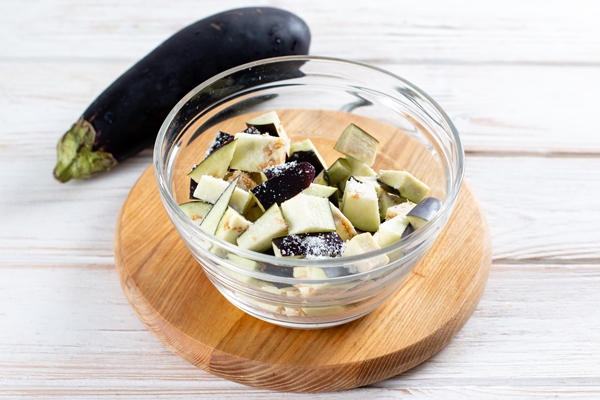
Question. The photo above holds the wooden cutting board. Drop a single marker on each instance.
(169, 292)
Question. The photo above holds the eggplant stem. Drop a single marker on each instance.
(75, 157)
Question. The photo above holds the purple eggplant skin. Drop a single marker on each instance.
(424, 211)
(327, 244)
(285, 185)
(125, 118)
(310, 157)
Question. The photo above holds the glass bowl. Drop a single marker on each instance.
(316, 98)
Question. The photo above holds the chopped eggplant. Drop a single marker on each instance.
(391, 230)
(210, 223)
(215, 164)
(309, 245)
(260, 234)
(360, 205)
(361, 244)
(196, 210)
(284, 186)
(404, 183)
(308, 214)
(220, 140)
(231, 226)
(253, 153)
(424, 212)
(339, 171)
(209, 189)
(358, 144)
(306, 151)
(320, 190)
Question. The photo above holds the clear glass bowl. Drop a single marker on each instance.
(316, 98)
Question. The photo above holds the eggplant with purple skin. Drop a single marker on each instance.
(424, 212)
(309, 245)
(126, 117)
(284, 185)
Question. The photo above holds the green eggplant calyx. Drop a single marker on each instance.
(75, 157)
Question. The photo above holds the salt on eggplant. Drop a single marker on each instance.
(126, 117)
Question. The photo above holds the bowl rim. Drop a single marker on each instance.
(176, 212)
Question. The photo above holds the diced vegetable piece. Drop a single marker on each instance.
(405, 183)
(358, 144)
(319, 190)
(231, 226)
(339, 171)
(359, 168)
(268, 123)
(306, 151)
(275, 170)
(216, 164)
(258, 236)
(246, 181)
(361, 244)
(424, 212)
(210, 223)
(209, 189)
(253, 212)
(391, 230)
(220, 140)
(322, 178)
(196, 210)
(370, 180)
(360, 205)
(387, 200)
(285, 185)
(253, 153)
(399, 209)
(308, 214)
(309, 245)
(343, 226)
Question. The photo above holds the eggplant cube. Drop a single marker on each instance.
(424, 212)
(268, 123)
(339, 171)
(258, 236)
(309, 245)
(361, 244)
(343, 226)
(405, 183)
(210, 223)
(306, 151)
(284, 185)
(231, 226)
(209, 189)
(253, 153)
(391, 230)
(216, 163)
(320, 190)
(358, 144)
(360, 205)
(307, 214)
(196, 210)
(399, 209)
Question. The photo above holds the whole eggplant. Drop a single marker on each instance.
(126, 117)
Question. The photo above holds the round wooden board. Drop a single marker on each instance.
(175, 300)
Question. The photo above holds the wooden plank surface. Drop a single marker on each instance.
(519, 79)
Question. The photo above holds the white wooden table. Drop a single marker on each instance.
(520, 79)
